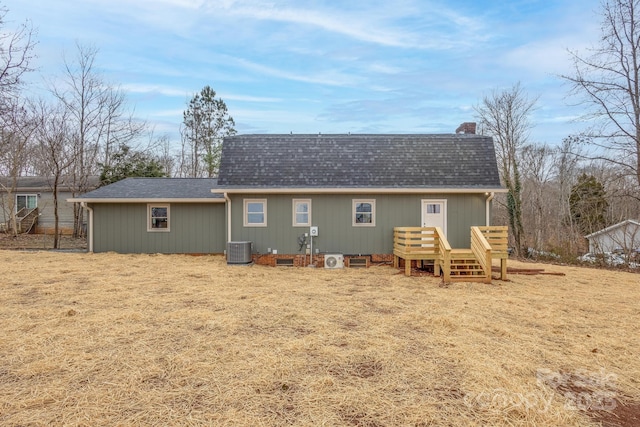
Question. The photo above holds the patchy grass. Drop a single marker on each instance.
(107, 339)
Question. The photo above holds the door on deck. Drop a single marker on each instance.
(434, 214)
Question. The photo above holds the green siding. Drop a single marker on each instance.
(194, 228)
(332, 214)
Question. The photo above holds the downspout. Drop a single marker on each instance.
(90, 230)
(488, 208)
(228, 202)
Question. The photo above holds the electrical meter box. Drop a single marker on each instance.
(313, 231)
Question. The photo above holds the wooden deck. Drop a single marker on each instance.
(467, 264)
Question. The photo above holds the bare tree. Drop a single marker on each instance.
(16, 128)
(97, 120)
(567, 159)
(57, 150)
(619, 188)
(537, 174)
(504, 115)
(166, 158)
(608, 82)
(16, 53)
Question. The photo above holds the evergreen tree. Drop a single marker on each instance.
(588, 204)
(127, 163)
(205, 122)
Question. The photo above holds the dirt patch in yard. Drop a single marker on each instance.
(40, 242)
(109, 339)
(595, 395)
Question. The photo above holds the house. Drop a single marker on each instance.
(35, 194)
(156, 215)
(272, 188)
(623, 236)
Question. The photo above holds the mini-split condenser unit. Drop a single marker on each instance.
(238, 252)
(333, 261)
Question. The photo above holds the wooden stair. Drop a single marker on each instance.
(26, 219)
(464, 267)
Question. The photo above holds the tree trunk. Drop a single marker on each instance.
(55, 213)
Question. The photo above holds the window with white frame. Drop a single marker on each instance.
(255, 212)
(301, 212)
(158, 218)
(364, 212)
(29, 201)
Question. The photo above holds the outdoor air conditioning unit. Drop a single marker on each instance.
(333, 261)
(238, 252)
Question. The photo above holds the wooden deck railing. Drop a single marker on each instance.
(482, 251)
(25, 219)
(29, 220)
(445, 250)
(416, 240)
(420, 243)
(497, 236)
(498, 239)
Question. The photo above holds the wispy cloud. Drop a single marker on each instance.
(377, 23)
(169, 113)
(248, 98)
(344, 25)
(182, 93)
(382, 68)
(330, 78)
(154, 89)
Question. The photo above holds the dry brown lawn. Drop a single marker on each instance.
(107, 339)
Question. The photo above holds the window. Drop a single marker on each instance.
(301, 212)
(158, 216)
(255, 212)
(29, 201)
(433, 208)
(364, 213)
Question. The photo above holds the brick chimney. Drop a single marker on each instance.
(467, 128)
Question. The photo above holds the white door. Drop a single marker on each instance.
(434, 214)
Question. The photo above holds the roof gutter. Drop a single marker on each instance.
(360, 190)
(488, 208)
(146, 200)
(90, 230)
(228, 201)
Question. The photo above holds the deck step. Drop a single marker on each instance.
(469, 269)
(464, 266)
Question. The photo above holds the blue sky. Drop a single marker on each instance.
(359, 66)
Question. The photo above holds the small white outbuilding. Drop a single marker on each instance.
(624, 236)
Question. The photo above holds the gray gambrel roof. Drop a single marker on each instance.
(148, 189)
(459, 161)
(316, 162)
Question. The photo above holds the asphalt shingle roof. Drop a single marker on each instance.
(43, 183)
(358, 161)
(156, 188)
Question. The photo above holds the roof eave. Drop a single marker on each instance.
(146, 200)
(358, 190)
(612, 227)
